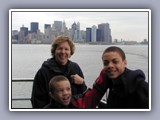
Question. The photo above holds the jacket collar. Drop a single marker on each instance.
(53, 65)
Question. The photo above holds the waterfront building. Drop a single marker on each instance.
(88, 34)
(23, 34)
(64, 30)
(34, 27)
(78, 26)
(46, 26)
(15, 34)
(58, 26)
(47, 33)
(75, 32)
(105, 32)
(83, 35)
(98, 36)
(94, 34)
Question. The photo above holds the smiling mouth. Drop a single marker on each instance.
(111, 72)
(66, 99)
(62, 57)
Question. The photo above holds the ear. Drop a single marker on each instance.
(69, 56)
(125, 62)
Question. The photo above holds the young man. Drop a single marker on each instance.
(60, 92)
(127, 88)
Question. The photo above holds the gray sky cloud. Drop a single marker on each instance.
(128, 25)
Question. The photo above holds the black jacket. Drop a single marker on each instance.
(130, 90)
(40, 91)
(55, 105)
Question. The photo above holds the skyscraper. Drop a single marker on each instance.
(23, 33)
(88, 34)
(98, 35)
(94, 34)
(47, 33)
(34, 27)
(46, 26)
(105, 32)
(58, 26)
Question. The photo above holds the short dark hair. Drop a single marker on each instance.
(56, 79)
(115, 49)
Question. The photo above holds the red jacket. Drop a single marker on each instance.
(92, 97)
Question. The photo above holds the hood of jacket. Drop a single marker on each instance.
(53, 65)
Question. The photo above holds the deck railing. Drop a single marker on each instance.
(23, 102)
(20, 102)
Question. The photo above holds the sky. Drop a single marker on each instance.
(128, 24)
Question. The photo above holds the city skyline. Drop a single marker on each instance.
(129, 25)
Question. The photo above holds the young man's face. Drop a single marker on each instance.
(62, 92)
(63, 53)
(113, 64)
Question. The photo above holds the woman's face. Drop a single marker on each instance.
(63, 53)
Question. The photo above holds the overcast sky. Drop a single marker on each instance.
(128, 24)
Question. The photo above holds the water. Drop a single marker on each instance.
(27, 59)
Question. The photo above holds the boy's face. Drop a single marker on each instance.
(113, 64)
(62, 93)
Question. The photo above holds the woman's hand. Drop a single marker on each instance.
(77, 79)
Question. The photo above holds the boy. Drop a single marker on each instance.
(127, 88)
(60, 92)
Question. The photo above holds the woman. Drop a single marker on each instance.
(62, 49)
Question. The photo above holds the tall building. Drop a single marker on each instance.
(73, 31)
(94, 34)
(58, 26)
(46, 26)
(15, 34)
(78, 26)
(63, 27)
(23, 34)
(64, 30)
(34, 27)
(88, 34)
(76, 32)
(47, 33)
(98, 37)
(105, 32)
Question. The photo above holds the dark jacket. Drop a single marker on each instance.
(55, 105)
(40, 91)
(129, 90)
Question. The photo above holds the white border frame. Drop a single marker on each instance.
(82, 10)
